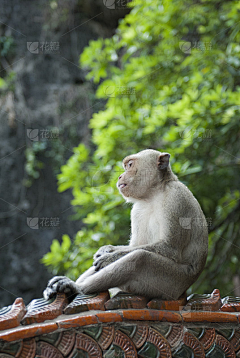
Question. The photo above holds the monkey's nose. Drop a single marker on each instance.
(120, 177)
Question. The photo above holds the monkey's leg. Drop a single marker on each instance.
(143, 273)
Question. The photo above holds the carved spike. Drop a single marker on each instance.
(106, 337)
(40, 310)
(208, 338)
(28, 349)
(46, 350)
(230, 304)
(83, 303)
(192, 342)
(11, 316)
(125, 343)
(223, 343)
(206, 302)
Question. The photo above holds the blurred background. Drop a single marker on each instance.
(85, 83)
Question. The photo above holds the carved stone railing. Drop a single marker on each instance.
(125, 326)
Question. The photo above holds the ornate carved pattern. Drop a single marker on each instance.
(87, 344)
(46, 350)
(28, 349)
(223, 343)
(230, 304)
(175, 336)
(192, 342)
(83, 303)
(124, 300)
(207, 338)
(235, 340)
(140, 340)
(66, 342)
(140, 336)
(160, 342)
(106, 337)
(204, 302)
(11, 316)
(129, 332)
(124, 342)
(40, 310)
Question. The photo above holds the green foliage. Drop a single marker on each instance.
(6, 45)
(170, 77)
(33, 165)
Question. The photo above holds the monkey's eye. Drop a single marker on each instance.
(129, 164)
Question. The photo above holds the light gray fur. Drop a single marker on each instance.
(169, 237)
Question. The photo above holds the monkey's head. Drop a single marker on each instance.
(144, 171)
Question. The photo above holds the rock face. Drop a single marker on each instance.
(48, 90)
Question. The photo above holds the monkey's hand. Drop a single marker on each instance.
(103, 251)
(61, 284)
(107, 259)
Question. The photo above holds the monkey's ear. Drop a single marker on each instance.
(163, 160)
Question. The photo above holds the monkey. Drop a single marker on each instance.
(168, 244)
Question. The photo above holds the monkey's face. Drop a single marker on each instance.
(141, 174)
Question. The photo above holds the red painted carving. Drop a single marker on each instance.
(175, 336)
(39, 312)
(87, 344)
(176, 305)
(106, 337)
(223, 343)
(231, 304)
(13, 317)
(46, 350)
(160, 342)
(208, 338)
(125, 300)
(125, 343)
(140, 336)
(83, 303)
(66, 343)
(205, 303)
(191, 341)
(235, 341)
(28, 349)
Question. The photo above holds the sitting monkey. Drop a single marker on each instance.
(169, 237)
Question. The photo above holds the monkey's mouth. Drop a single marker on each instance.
(121, 186)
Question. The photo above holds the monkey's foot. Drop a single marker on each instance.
(61, 284)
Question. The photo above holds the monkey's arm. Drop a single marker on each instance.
(162, 248)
